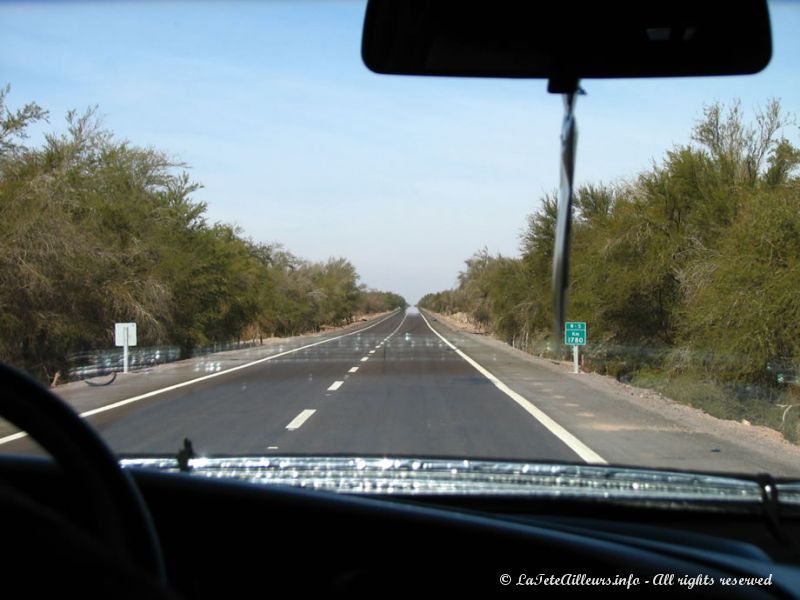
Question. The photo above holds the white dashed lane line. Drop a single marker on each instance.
(337, 384)
(300, 419)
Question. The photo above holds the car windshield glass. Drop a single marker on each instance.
(221, 233)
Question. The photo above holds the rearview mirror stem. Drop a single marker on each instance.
(569, 137)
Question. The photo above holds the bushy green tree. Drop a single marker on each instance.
(696, 258)
(94, 231)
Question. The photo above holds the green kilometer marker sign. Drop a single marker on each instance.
(575, 333)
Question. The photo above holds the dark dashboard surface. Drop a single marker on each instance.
(224, 539)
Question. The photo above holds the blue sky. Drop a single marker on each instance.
(296, 142)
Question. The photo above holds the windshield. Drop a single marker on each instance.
(220, 233)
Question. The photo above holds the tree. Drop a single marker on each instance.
(14, 125)
(698, 253)
(94, 230)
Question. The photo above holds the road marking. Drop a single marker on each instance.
(12, 437)
(89, 413)
(574, 444)
(272, 447)
(365, 359)
(353, 369)
(399, 325)
(300, 419)
(372, 352)
(335, 386)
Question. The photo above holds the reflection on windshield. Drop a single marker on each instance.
(322, 261)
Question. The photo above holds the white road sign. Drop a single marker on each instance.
(124, 334)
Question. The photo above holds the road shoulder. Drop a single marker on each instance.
(625, 424)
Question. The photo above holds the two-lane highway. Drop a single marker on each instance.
(394, 388)
(405, 385)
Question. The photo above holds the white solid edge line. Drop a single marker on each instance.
(335, 386)
(574, 444)
(89, 413)
(300, 419)
(353, 369)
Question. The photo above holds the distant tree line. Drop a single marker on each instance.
(95, 231)
(692, 267)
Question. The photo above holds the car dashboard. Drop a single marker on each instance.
(231, 539)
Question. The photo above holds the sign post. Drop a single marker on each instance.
(125, 336)
(575, 336)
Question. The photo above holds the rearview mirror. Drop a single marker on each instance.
(567, 40)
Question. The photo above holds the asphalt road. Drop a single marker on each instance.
(395, 388)
(404, 385)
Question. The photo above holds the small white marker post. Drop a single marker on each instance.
(125, 336)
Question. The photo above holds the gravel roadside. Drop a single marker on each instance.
(707, 438)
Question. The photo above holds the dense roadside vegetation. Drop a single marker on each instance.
(688, 275)
(94, 231)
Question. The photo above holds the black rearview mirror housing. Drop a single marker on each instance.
(567, 40)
